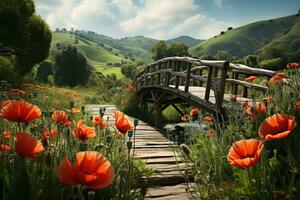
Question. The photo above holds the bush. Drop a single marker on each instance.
(71, 68)
(43, 71)
(273, 64)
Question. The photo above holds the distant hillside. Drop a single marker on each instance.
(251, 38)
(140, 42)
(125, 48)
(187, 40)
(104, 58)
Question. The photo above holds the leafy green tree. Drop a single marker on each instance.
(71, 67)
(160, 50)
(23, 34)
(43, 71)
(251, 60)
(129, 70)
(178, 50)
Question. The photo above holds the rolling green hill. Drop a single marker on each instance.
(187, 40)
(248, 39)
(102, 58)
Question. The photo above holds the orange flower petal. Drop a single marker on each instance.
(276, 127)
(66, 172)
(27, 146)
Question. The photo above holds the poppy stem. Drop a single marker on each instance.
(250, 181)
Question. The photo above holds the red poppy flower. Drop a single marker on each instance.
(20, 111)
(185, 118)
(298, 105)
(245, 104)
(74, 110)
(260, 108)
(90, 168)
(278, 77)
(267, 100)
(208, 119)
(60, 117)
(245, 153)
(292, 65)
(52, 133)
(251, 78)
(5, 148)
(194, 112)
(211, 132)
(99, 121)
(4, 103)
(122, 122)
(233, 98)
(80, 122)
(7, 134)
(276, 127)
(27, 146)
(84, 132)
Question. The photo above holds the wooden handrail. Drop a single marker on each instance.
(184, 71)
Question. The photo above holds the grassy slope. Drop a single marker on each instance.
(187, 40)
(246, 39)
(96, 54)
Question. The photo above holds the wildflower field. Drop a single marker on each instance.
(63, 152)
(256, 154)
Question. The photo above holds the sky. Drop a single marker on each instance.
(160, 19)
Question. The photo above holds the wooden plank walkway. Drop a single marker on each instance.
(167, 182)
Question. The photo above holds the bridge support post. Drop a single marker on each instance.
(158, 114)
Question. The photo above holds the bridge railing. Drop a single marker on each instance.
(182, 72)
(238, 74)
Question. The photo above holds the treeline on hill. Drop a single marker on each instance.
(269, 44)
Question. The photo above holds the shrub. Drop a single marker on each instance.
(43, 71)
(71, 67)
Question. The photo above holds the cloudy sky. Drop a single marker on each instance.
(160, 19)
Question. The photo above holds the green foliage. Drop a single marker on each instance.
(276, 174)
(24, 33)
(224, 55)
(251, 60)
(71, 67)
(273, 64)
(7, 71)
(162, 50)
(129, 70)
(43, 71)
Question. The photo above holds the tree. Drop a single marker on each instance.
(129, 70)
(23, 34)
(162, 50)
(251, 60)
(178, 50)
(71, 67)
(43, 71)
(159, 51)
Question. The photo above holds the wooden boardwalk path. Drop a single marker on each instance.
(167, 182)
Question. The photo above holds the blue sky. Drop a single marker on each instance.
(160, 19)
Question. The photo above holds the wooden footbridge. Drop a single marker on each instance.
(206, 84)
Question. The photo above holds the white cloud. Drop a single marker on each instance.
(200, 26)
(157, 14)
(125, 6)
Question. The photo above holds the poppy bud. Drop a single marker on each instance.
(72, 103)
(129, 144)
(130, 134)
(136, 122)
(185, 149)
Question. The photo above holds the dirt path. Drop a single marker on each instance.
(151, 146)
